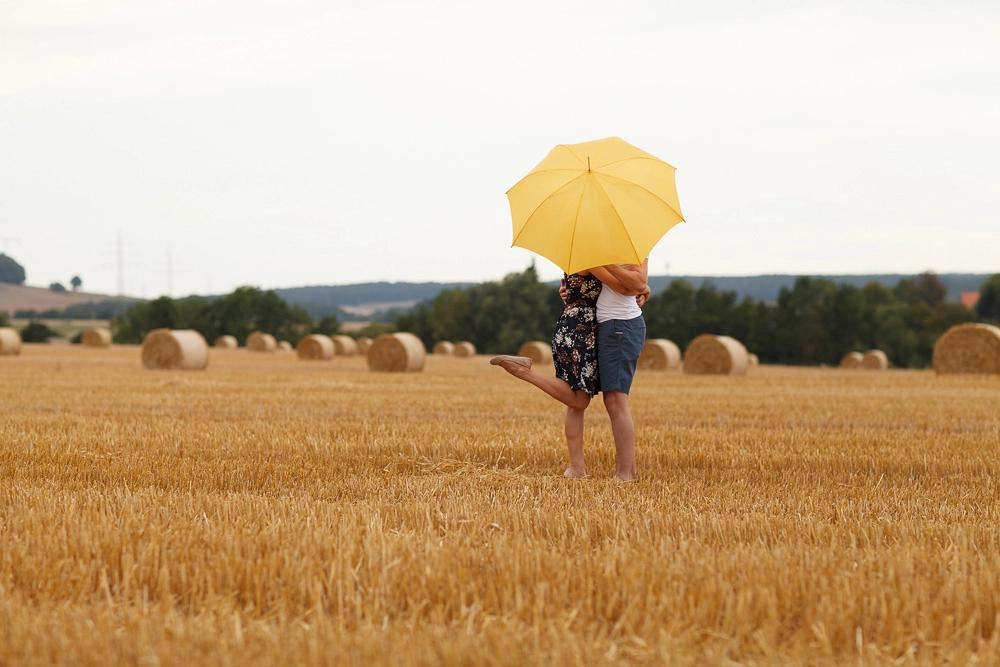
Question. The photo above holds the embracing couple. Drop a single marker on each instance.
(595, 347)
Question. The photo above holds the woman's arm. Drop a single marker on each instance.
(627, 279)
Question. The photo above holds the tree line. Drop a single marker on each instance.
(245, 310)
(814, 322)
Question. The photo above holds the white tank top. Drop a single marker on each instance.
(614, 306)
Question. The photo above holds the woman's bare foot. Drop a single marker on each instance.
(572, 473)
(623, 478)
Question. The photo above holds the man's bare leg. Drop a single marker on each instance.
(623, 429)
(574, 443)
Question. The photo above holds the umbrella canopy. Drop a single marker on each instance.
(595, 203)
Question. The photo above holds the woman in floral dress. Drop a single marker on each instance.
(574, 351)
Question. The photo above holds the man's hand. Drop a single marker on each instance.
(563, 292)
(642, 298)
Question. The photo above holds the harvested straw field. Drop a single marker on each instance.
(537, 351)
(10, 341)
(267, 511)
(852, 360)
(968, 348)
(659, 354)
(443, 347)
(464, 349)
(96, 337)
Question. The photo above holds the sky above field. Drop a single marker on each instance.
(288, 143)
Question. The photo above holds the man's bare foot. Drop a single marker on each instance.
(574, 474)
(624, 478)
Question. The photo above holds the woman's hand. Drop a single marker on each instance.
(563, 292)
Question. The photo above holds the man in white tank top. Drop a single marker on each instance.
(621, 332)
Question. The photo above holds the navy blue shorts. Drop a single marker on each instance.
(619, 344)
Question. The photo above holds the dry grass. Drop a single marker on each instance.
(267, 511)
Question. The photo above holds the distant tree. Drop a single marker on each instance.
(37, 332)
(58, 288)
(493, 316)
(3, 319)
(930, 289)
(246, 310)
(76, 283)
(10, 271)
(328, 325)
(988, 307)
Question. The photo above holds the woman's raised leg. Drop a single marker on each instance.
(551, 385)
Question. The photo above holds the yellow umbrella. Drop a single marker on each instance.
(595, 203)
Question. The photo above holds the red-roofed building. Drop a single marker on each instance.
(970, 299)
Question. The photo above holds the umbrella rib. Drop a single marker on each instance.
(576, 223)
(636, 185)
(618, 215)
(530, 215)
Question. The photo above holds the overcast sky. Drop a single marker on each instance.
(286, 143)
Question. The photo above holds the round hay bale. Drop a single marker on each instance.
(852, 360)
(715, 355)
(10, 341)
(537, 351)
(315, 347)
(96, 337)
(261, 342)
(185, 349)
(344, 346)
(284, 346)
(659, 354)
(968, 348)
(444, 348)
(753, 359)
(397, 353)
(875, 360)
(465, 349)
(227, 343)
(364, 344)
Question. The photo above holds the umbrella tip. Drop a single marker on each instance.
(588, 163)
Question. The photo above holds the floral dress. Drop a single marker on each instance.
(574, 343)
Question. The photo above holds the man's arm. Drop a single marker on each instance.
(627, 280)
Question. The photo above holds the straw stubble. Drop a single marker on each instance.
(795, 517)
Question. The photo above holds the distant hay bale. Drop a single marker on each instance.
(315, 347)
(284, 346)
(968, 348)
(537, 351)
(659, 354)
(96, 337)
(464, 349)
(10, 341)
(875, 360)
(344, 346)
(397, 353)
(261, 342)
(364, 344)
(227, 342)
(852, 360)
(185, 350)
(444, 348)
(753, 359)
(715, 355)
